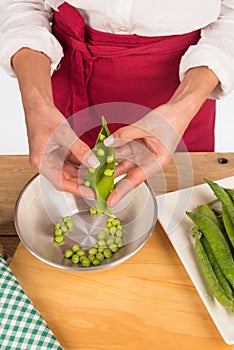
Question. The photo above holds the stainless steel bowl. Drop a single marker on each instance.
(40, 206)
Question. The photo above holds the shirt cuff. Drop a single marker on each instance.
(221, 63)
(39, 39)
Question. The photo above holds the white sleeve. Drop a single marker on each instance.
(215, 50)
(26, 24)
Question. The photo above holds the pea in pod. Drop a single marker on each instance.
(101, 180)
(217, 242)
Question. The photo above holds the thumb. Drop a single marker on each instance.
(124, 135)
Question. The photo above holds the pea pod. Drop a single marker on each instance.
(206, 210)
(229, 227)
(209, 274)
(217, 242)
(230, 191)
(101, 180)
(216, 268)
(224, 198)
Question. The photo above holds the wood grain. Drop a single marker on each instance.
(148, 302)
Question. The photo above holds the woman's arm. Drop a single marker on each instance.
(26, 24)
(215, 50)
(52, 143)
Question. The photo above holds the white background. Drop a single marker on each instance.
(13, 139)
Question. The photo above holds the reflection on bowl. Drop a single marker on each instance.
(40, 206)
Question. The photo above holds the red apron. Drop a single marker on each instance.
(99, 67)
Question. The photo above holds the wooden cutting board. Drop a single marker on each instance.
(148, 302)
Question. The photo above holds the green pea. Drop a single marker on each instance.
(106, 230)
(119, 233)
(107, 253)
(116, 222)
(108, 172)
(109, 159)
(119, 241)
(102, 243)
(57, 226)
(91, 170)
(87, 183)
(93, 250)
(96, 262)
(113, 247)
(75, 258)
(59, 239)
(67, 218)
(69, 224)
(119, 227)
(102, 137)
(110, 241)
(58, 232)
(81, 253)
(109, 225)
(93, 210)
(110, 219)
(64, 228)
(112, 230)
(75, 248)
(82, 258)
(85, 262)
(96, 245)
(100, 152)
(68, 253)
(100, 256)
(91, 257)
(101, 249)
(102, 235)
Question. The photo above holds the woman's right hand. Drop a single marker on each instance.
(56, 151)
(54, 148)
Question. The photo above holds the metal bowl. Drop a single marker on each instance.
(40, 206)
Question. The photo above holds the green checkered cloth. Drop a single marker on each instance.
(21, 326)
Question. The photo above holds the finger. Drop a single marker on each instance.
(83, 153)
(76, 189)
(124, 167)
(124, 186)
(124, 135)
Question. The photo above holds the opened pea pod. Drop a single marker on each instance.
(101, 180)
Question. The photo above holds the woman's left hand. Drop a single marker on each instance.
(144, 148)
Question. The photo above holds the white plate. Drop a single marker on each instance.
(171, 210)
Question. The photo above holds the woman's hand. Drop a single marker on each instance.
(147, 146)
(55, 151)
(144, 148)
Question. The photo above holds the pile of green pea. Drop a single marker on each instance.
(214, 243)
(110, 240)
(61, 228)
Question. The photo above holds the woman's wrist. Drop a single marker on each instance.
(32, 69)
(195, 88)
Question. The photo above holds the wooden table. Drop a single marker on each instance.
(146, 303)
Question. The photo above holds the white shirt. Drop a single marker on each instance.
(26, 23)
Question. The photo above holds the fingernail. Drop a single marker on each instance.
(93, 161)
(112, 201)
(109, 141)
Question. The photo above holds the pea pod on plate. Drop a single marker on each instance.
(101, 180)
(217, 242)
